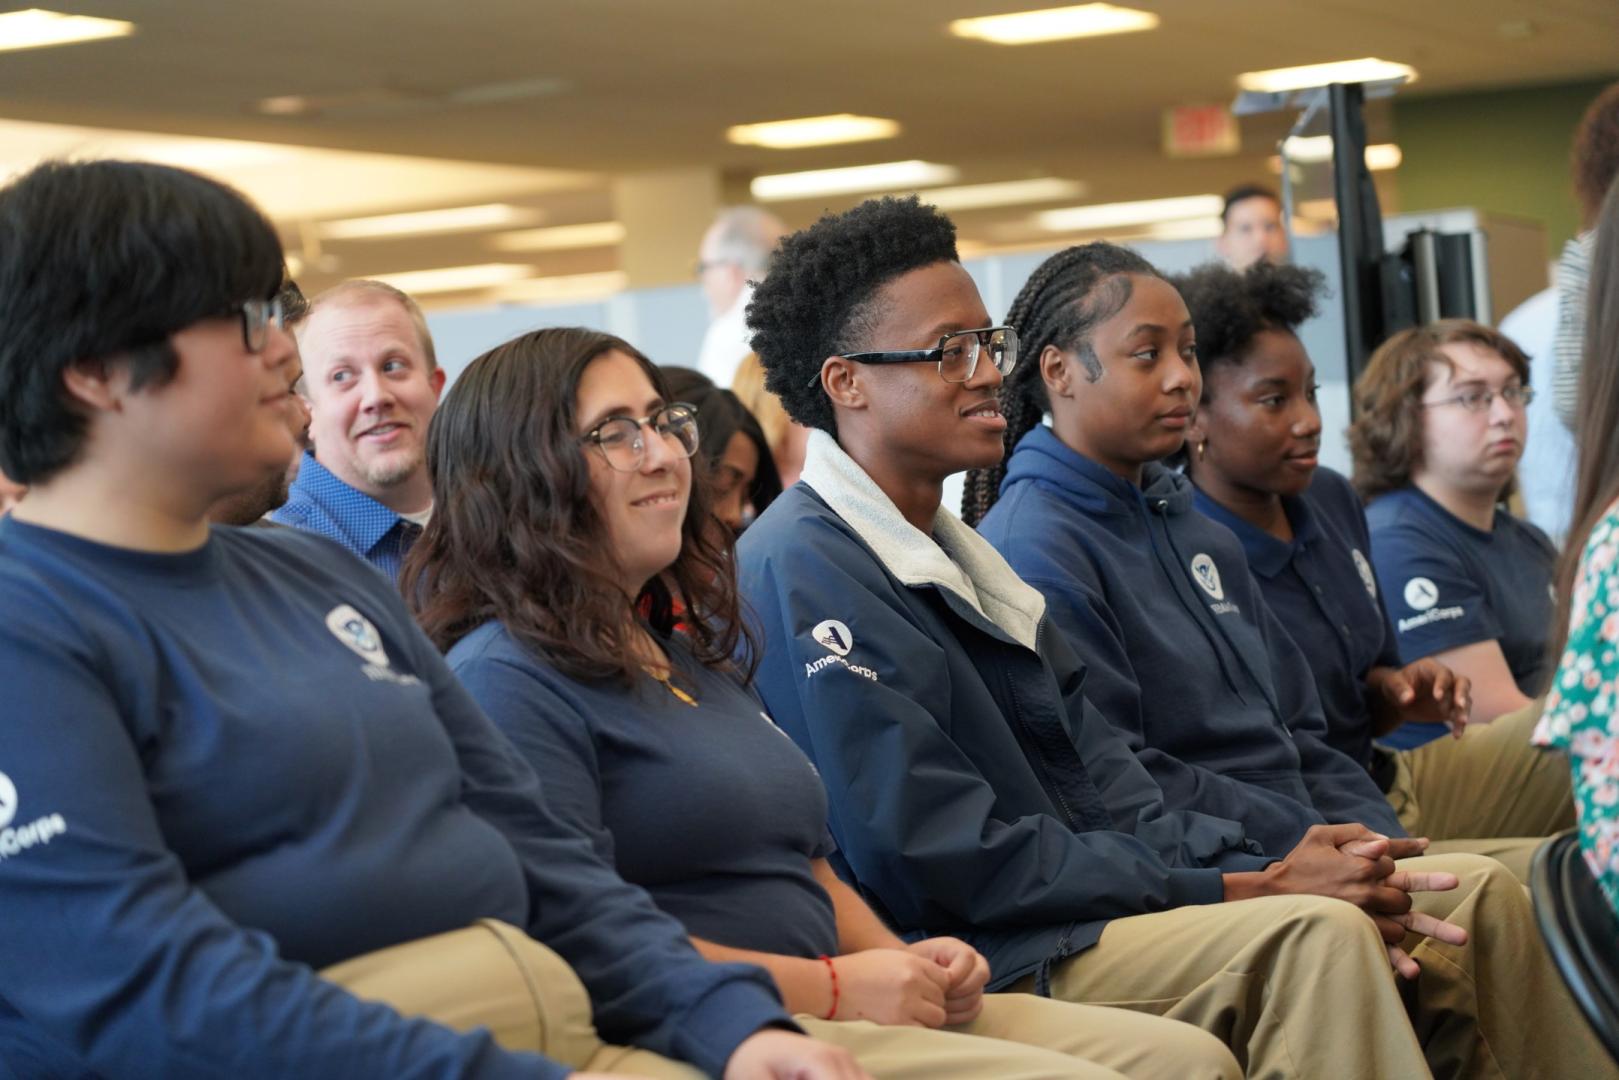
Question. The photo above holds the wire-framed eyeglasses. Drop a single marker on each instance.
(621, 440)
(956, 354)
(1479, 399)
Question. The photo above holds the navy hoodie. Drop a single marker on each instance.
(1185, 658)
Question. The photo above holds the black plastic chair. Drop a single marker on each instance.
(1581, 932)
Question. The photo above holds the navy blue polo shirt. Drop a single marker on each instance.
(1322, 587)
(1448, 584)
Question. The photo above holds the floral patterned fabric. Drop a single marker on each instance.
(1582, 706)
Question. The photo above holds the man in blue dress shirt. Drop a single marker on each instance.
(372, 383)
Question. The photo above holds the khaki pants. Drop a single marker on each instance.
(492, 975)
(1023, 1036)
(1488, 793)
(495, 976)
(1300, 986)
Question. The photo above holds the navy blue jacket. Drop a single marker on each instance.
(973, 791)
(1321, 586)
(251, 764)
(1186, 660)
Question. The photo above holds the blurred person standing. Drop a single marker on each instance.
(735, 252)
(1251, 227)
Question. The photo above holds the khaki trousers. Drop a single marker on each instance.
(1023, 1036)
(1300, 986)
(495, 976)
(1488, 793)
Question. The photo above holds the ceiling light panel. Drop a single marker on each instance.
(427, 222)
(1007, 193)
(1054, 24)
(1115, 215)
(595, 234)
(456, 278)
(813, 131)
(1314, 149)
(1366, 69)
(888, 176)
(36, 28)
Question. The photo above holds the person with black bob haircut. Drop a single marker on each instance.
(973, 791)
(252, 825)
(1254, 460)
(742, 472)
(670, 763)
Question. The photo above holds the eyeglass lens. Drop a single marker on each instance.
(623, 442)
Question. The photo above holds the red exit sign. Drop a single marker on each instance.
(1200, 131)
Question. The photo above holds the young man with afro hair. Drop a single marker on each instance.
(973, 791)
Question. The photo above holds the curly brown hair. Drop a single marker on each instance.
(1386, 436)
(516, 537)
(1595, 157)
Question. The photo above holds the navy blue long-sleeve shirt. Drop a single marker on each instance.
(250, 764)
(1185, 658)
(1321, 586)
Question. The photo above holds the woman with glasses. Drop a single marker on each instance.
(1253, 451)
(741, 470)
(250, 824)
(548, 576)
(1440, 426)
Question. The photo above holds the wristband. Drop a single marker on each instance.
(833, 971)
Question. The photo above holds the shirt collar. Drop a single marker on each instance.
(1267, 556)
(361, 520)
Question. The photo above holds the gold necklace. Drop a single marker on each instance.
(680, 695)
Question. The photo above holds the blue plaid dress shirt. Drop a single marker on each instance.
(321, 503)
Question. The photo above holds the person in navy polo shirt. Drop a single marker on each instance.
(236, 780)
(1439, 430)
(1254, 447)
(372, 381)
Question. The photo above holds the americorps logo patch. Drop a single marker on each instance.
(8, 800)
(356, 631)
(1206, 574)
(1421, 594)
(1367, 578)
(834, 636)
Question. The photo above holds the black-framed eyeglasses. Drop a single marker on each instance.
(956, 354)
(1480, 399)
(622, 444)
(257, 316)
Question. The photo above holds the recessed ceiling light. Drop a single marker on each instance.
(1313, 149)
(1006, 193)
(595, 234)
(1367, 69)
(36, 28)
(285, 105)
(888, 176)
(1143, 212)
(564, 287)
(456, 278)
(423, 222)
(813, 131)
(1054, 24)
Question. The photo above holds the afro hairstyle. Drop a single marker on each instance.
(1229, 309)
(821, 296)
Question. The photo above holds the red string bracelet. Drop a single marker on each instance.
(833, 1011)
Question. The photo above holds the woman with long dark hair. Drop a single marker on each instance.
(566, 517)
(742, 474)
(1580, 715)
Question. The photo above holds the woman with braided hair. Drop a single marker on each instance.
(1254, 445)
(1182, 655)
